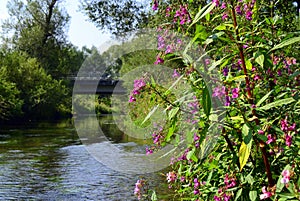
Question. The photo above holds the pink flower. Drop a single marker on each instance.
(238, 10)
(138, 187)
(227, 100)
(175, 73)
(235, 92)
(261, 132)
(270, 139)
(132, 99)
(249, 15)
(225, 71)
(169, 49)
(225, 16)
(149, 151)
(168, 10)
(284, 125)
(155, 5)
(219, 92)
(286, 176)
(207, 61)
(256, 77)
(226, 197)
(223, 6)
(159, 60)
(292, 127)
(171, 176)
(265, 194)
(216, 2)
(288, 140)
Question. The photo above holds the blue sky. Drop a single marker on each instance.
(81, 32)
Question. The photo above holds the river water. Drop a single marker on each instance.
(47, 161)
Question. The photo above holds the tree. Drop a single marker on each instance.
(43, 97)
(116, 17)
(10, 104)
(39, 29)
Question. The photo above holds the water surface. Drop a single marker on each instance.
(46, 161)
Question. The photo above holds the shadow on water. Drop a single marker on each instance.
(46, 161)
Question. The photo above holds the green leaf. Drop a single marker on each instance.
(246, 133)
(206, 101)
(153, 196)
(150, 113)
(244, 154)
(238, 194)
(237, 78)
(207, 16)
(248, 64)
(223, 27)
(250, 179)
(173, 85)
(253, 195)
(286, 43)
(277, 103)
(262, 137)
(245, 130)
(171, 131)
(191, 155)
(216, 63)
(295, 74)
(260, 58)
(263, 98)
(286, 195)
(173, 112)
(203, 12)
(209, 176)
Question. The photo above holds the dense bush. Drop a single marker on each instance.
(244, 144)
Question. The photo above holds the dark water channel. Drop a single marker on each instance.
(46, 161)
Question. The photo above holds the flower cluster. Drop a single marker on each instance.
(266, 194)
(157, 137)
(171, 176)
(221, 92)
(155, 5)
(182, 15)
(197, 184)
(138, 188)
(245, 9)
(286, 176)
(223, 195)
(287, 128)
(138, 86)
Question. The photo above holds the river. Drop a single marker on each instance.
(47, 161)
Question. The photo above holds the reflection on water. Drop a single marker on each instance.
(49, 163)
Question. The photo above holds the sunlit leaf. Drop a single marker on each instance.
(203, 12)
(253, 195)
(244, 154)
(263, 98)
(277, 104)
(286, 43)
(150, 113)
(260, 58)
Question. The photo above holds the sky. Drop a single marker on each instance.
(81, 32)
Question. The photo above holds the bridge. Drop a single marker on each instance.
(97, 86)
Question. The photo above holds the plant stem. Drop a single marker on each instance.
(250, 96)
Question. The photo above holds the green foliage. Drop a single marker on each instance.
(10, 104)
(117, 17)
(38, 28)
(244, 144)
(42, 96)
